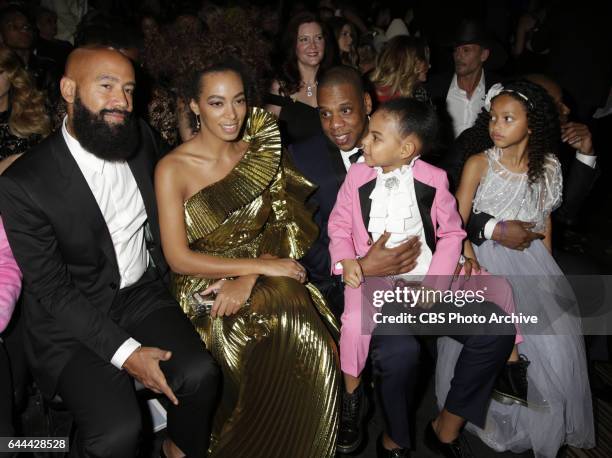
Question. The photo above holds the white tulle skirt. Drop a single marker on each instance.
(560, 407)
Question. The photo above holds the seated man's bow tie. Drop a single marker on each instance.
(355, 156)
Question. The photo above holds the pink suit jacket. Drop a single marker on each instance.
(10, 280)
(348, 222)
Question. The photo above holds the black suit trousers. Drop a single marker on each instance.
(395, 359)
(102, 398)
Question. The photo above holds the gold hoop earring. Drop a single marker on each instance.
(197, 122)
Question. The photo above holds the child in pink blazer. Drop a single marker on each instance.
(10, 280)
(10, 287)
(394, 192)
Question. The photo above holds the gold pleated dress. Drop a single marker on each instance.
(278, 356)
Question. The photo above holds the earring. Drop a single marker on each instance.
(197, 122)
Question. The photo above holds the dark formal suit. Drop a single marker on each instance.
(75, 314)
(319, 160)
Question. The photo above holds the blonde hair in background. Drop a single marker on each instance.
(26, 103)
(398, 64)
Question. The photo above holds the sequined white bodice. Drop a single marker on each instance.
(508, 195)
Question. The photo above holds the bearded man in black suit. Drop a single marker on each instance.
(80, 215)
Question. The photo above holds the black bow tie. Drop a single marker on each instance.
(353, 157)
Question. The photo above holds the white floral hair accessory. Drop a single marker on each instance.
(497, 89)
(494, 91)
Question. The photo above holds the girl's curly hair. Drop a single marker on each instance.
(27, 104)
(542, 120)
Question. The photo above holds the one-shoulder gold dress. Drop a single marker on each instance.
(278, 356)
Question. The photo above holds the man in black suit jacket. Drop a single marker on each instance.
(80, 215)
(344, 106)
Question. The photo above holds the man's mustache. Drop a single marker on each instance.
(125, 113)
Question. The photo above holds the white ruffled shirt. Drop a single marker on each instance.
(395, 210)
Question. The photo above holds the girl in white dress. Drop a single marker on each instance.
(513, 174)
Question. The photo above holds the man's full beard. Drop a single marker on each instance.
(107, 141)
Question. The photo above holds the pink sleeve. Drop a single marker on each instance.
(10, 280)
(340, 225)
(450, 235)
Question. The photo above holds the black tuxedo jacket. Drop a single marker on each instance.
(319, 160)
(63, 247)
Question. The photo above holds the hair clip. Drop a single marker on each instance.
(498, 89)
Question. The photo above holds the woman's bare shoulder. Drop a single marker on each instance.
(173, 163)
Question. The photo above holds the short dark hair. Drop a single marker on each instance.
(191, 87)
(414, 117)
(223, 63)
(342, 74)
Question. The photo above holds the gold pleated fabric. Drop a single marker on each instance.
(278, 354)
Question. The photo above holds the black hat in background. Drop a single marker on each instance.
(470, 31)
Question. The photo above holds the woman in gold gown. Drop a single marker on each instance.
(230, 206)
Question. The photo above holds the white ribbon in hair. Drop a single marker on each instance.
(494, 91)
(497, 89)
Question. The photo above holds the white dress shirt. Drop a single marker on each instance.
(345, 157)
(116, 192)
(464, 110)
(395, 210)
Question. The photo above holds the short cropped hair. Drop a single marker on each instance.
(414, 117)
(342, 74)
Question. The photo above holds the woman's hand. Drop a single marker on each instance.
(231, 295)
(285, 267)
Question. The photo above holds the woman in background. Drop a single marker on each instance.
(293, 94)
(401, 69)
(23, 119)
(346, 37)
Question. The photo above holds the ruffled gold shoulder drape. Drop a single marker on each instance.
(279, 360)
